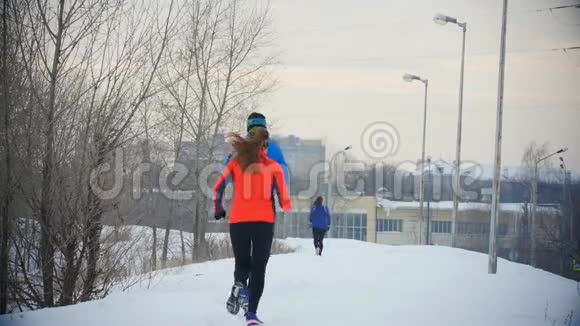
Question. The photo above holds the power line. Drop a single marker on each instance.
(323, 28)
(567, 50)
(551, 10)
(435, 56)
(562, 7)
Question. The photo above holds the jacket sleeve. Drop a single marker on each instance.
(282, 190)
(327, 215)
(226, 162)
(220, 187)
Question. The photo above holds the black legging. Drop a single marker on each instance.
(318, 236)
(251, 243)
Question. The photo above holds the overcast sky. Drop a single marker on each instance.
(342, 62)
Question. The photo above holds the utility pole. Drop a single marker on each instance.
(429, 196)
(533, 219)
(422, 187)
(492, 264)
(563, 226)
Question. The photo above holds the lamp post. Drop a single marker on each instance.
(565, 221)
(429, 197)
(410, 78)
(329, 183)
(568, 199)
(442, 20)
(535, 202)
(492, 261)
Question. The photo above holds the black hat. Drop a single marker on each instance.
(256, 119)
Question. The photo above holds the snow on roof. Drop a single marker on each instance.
(486, 171)
(388, 205)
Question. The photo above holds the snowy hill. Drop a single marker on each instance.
(354, 283)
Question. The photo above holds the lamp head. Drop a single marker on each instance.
(440, 19)
(410, 78)
(443, 19)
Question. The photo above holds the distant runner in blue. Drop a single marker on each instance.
(320, 223)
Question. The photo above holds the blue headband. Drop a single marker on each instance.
(256, 122)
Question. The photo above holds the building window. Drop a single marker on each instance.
(440, 227)
(480, 228)
(389, 225)
(293, 224)
(472, 228)
(349, 226)
(346, 226)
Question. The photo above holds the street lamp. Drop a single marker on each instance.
(535, 202)
(329, 181)
(443, 20)
(410, 78)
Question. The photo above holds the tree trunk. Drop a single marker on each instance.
(70, 274)
(195, 240)
(203, 227)
(93, 232)
(5, 224)
(166, 243)
(154, 250)
(199, 241)
(183, 261)
(29, 228)
(94, 228)
(47, 248)
(47, 262)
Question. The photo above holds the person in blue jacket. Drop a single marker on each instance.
(320, 222)
(273, 150)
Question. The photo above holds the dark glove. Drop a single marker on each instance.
(219, 214)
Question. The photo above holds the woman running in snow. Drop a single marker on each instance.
(256, 178)
(320, 222)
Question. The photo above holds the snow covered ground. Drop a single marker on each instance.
(354, 283)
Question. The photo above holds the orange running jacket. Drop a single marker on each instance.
(253, 197)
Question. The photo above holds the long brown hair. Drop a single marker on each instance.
(247, 150)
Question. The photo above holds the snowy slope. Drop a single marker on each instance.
(354, 283)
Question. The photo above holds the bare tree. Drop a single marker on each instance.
(80, 73)
(7, 50)
(117, 111)
(89, 67)
(216, 69)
